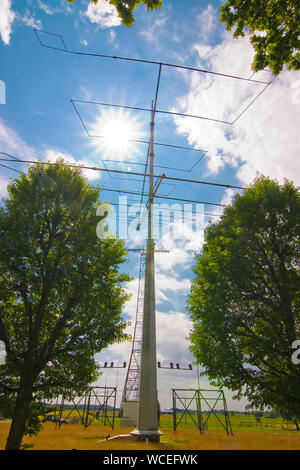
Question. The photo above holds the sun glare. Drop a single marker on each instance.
(117, 131)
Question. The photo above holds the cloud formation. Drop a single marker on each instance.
(12, 144)
(7, 17)
(30, 20)
(207, 20)
(103, 14)
(154, 30)
(47, 9)
(265, 138)
(52, 155)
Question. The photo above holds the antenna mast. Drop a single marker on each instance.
(148, 413)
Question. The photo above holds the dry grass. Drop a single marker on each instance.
(73, 436)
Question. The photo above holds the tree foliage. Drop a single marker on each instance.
(274, 27)
(60, 286)
(245, 298)
(125, 8)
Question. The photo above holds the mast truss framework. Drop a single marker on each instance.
(132, 381)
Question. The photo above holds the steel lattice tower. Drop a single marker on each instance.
(132, 382)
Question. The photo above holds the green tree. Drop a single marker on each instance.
(274, 27)
(244, 301)
(61, 290)
(125, 8)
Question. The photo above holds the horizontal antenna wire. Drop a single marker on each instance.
(138, 141)
(165, 197)
(5, 166)
(160, 64)
(172, 178)
(155, 165)
(137, 108)
(135, 192)
(168, 209)
(145, 61)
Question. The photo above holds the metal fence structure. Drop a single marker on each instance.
(188, 403)
(98, 403)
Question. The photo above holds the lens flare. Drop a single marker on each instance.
(118, 132)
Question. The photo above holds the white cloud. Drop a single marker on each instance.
(268, 139)
(53, 154)
(226, 200)
(30, 20)
(177, 256)
(155, 29)
(170, 289)
(48, 10)
(3, 186)
(14, 145)
(112, 38)
(265, 138)
(190, 232)
(11, 143)
(173, 329)
(103, 14)
(7, 17)
(130, 307)
(207, 20)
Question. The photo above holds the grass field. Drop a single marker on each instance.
(247, 435)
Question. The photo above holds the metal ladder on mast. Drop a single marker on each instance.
(132, 382)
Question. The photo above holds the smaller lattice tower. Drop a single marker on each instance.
(130, 397)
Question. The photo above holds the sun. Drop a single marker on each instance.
(118, 133)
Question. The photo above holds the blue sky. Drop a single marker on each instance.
(39, 121)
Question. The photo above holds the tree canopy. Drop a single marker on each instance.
(274, 27)
(245, 298)
(125, 8)
(60, 286)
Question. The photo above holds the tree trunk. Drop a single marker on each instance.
(17, 427)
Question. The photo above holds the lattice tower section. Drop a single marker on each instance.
(132, 382)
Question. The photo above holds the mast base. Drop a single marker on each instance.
(146, 436)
